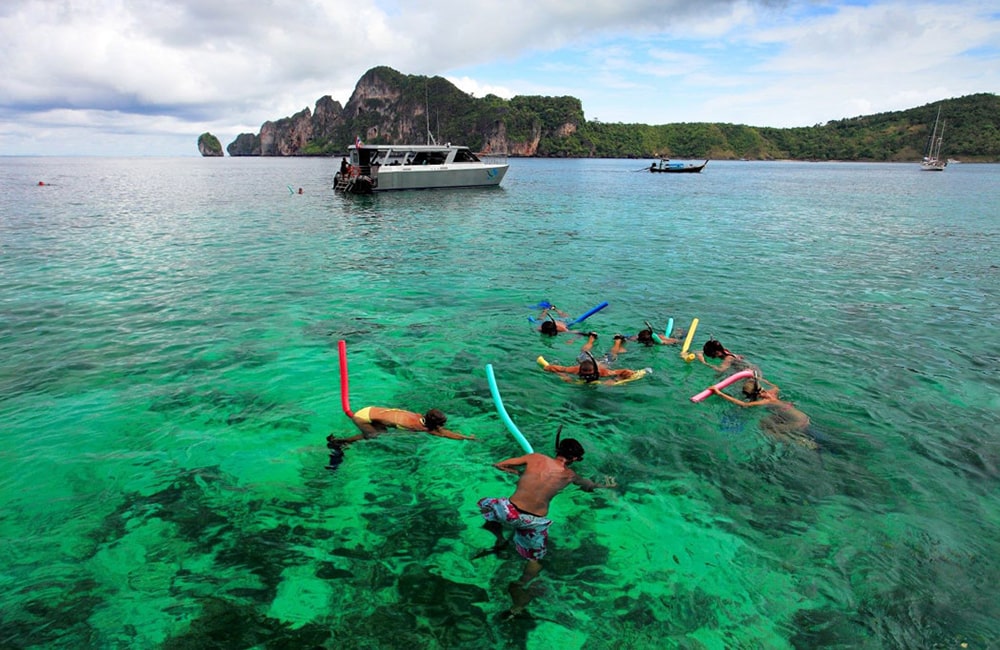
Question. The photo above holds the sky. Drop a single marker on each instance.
(147, 77)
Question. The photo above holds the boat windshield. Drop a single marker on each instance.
(395, 157)
(465, 155)
(430, 158)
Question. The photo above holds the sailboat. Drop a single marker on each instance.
(932, 157)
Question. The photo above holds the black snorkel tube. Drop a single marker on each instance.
(652, 333)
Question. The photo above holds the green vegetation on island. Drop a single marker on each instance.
(390, 107)
(209, 145)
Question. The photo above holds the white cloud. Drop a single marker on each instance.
(170, 70)
(477, 89)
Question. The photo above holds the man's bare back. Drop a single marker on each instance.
(543, 478)
(540, 478)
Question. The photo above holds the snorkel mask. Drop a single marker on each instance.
(755, 387)
(590, 376)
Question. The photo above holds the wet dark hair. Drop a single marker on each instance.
(751, 389)
(434, 419)
(714, 349)
(570, 448)
(646, 336)
(549, 327)
(595, 374)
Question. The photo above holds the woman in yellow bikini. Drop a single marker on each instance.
(375, 420)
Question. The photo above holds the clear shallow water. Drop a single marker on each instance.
(169, 332)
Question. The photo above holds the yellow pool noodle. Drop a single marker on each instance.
(687, 342)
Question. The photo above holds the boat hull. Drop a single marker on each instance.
(395, 167)
(676, 168)
(438, 177)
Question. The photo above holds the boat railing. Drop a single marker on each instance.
(493, 158)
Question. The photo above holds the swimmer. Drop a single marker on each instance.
(541, 478)
(588, 369)
(785, 422)
(375, 420)
(552, 327)
(715, 350)
(647, 337)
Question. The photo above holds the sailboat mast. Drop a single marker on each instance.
(932, 143)
(940, 140)
(427, 115)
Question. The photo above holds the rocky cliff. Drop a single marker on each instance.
(209, 145)
(390, 107)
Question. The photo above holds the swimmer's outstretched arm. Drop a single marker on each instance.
(727, 397)
(511, 465)
(454, 435)
(738, 402)
(589, 486)
(719, 368)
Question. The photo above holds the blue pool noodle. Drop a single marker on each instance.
(503, 412)
(588, 314)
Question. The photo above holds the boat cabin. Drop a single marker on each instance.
(384, 154)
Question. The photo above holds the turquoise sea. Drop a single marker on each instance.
(169, 329)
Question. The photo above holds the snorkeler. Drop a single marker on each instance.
(550, 326)
(588, 370)
(525, 511)
(785, 422)
(715, 350)
(647, 337)
(375, 420)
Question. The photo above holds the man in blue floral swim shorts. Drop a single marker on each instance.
(542, 478)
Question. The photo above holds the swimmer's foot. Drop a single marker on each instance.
(510, 614)
(336, 458)
(519, 597)
(491, 551)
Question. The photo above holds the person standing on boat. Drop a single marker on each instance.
(540, 478)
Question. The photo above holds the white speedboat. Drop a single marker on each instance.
(389, 167)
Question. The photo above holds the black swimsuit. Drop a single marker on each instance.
(522, 510)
